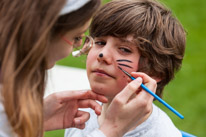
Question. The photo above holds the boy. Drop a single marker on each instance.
(139, 36)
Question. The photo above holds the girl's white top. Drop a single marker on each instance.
(5, 128)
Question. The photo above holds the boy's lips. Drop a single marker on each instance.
(102, 72)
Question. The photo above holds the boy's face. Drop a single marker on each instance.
(103, 73)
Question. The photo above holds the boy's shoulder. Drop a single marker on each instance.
(165, 125)
(157, 125)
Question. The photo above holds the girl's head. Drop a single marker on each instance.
(158, 35)
(31, 41)
(70, 27)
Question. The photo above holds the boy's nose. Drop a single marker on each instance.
(101, 55)
(105, 56)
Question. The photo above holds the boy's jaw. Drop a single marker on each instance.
(107, 83)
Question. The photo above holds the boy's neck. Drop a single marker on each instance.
(101, 117)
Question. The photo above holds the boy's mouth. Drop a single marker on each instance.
(102, 73)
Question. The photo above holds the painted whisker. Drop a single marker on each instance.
(124, 60)
(124, 65)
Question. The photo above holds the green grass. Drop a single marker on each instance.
(187, 92)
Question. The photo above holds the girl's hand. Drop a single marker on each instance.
(130, 107)
(61, 109)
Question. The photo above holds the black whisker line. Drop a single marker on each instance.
(124, 65)
(122, 60)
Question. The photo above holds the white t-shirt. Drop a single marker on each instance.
(157, 125)
(5, 127)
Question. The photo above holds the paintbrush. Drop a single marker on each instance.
(154, 95)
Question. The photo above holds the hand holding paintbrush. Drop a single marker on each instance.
(146, 89)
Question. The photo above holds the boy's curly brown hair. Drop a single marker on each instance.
(159, 36)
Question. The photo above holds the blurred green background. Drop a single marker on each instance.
(187, 92)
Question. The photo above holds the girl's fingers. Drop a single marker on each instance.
(151, 84)
(129, 90)
(80, 94)
(147, 80)
(81, 118)
(82, 126)
(144, 76)
(91, 95)
(89, 103)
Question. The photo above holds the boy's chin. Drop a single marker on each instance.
(98, 90)
(103, 92)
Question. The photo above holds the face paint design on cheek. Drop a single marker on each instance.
(125, 65)
(124, 60)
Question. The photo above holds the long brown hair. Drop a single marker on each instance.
(159, 36)
(26, 28)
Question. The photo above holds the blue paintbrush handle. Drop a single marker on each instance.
(160, 100)
(185, 134)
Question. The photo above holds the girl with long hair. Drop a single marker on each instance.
(34, 34)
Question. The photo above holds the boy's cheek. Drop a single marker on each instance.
(90, 58)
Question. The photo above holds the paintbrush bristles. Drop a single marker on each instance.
(125, 71)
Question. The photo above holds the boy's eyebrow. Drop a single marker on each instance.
(124, 40)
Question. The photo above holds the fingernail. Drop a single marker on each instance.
(77, 122)
(99, 110)
(139, 79)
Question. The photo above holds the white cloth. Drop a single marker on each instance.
(62, 78)
(5, 127)
(72, 5)
(157, 125)
(96, 133)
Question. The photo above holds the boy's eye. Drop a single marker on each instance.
(125, 50)
(100, 43)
